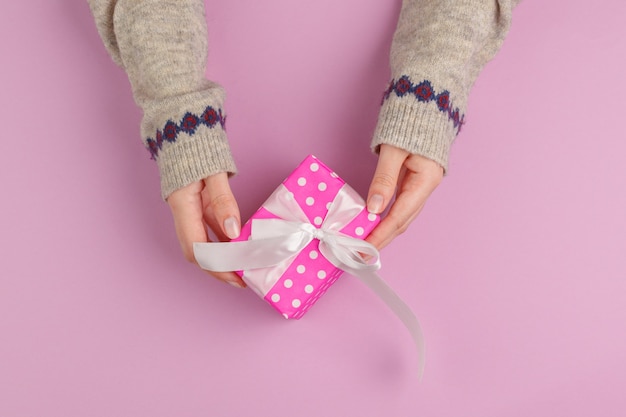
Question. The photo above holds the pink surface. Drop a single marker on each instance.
(516, 266)
(298, 283)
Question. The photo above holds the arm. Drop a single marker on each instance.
(162, 46)
(438, 51)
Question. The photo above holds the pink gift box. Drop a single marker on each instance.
(296, 245)
(294, 286)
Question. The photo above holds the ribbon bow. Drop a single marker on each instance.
(276, 242)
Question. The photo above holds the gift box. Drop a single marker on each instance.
(301, 240)
(293, 286)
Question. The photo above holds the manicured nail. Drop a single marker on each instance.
(231, 227)
(375, 204)
(235, 284)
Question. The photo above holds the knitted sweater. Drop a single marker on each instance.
(438, 49)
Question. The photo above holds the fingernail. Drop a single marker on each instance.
(231, 227)
(375, 204)
(235, 284)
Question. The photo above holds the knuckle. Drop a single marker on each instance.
(429, 180)
(436, 179)
(222, 201)
(397, 224)
(384, 180)
(434, 176)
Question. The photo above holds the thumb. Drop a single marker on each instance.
(383, 186)
(222, 211)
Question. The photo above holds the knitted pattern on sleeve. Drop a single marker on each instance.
(162, 46)
(189, 125)
(424, 92)
(438, 50)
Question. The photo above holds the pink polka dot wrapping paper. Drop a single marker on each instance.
(314, 187)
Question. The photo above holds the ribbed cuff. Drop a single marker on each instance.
(192, 158)
(419, 128)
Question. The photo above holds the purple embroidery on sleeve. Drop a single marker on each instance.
(424, 93)
(189, 124)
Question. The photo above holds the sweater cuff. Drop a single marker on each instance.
(186, 155)
(414, 118)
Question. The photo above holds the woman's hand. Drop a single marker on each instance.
(415, 178)
(208, 202)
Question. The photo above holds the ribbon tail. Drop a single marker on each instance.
(399, 307)
(343, 253)
(248, 254)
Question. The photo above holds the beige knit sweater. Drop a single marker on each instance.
(438, 50)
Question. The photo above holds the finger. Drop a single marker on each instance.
(389, 229)
(383, 186)
(186, 207)
(215, 230)
(221, 210)
(414, 191)
(228, 277)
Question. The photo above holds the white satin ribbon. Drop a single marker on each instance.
(276, 242)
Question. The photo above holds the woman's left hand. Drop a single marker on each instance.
(414, 176)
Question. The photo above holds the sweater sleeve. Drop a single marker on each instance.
(437, 52)
(162, 46)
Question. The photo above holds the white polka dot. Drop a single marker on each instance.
(321, 274)
(308, 289)
(371, 217)
(334, 175)
(313, 254)
(296, 303)
(314, 167)
(300, 269)
(328, 205)
(288, 283)
(322, 186)
(359, 231)
(318, 220)
(275, 298)
(309, 201)
(285, 315)
(301, 181)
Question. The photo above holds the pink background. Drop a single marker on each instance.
(516, 267)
